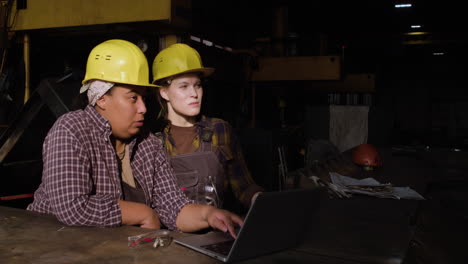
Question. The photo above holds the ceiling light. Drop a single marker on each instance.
(207, 42)
(197, 39)
(402, 5)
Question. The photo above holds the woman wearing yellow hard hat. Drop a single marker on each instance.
(101, 169)
(205, 154)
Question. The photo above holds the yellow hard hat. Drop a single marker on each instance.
(176, 59)
(118, 61)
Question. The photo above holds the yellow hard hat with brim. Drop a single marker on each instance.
(177, 59)
(118, 61)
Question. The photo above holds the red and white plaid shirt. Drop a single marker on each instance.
(81, 181)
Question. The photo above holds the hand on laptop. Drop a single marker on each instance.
(195, 217)
(224, 220)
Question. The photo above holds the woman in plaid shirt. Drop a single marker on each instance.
(101, 169)
(206, 157)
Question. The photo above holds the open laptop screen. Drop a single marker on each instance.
(276, 221)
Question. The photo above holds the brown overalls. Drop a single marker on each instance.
(200, 174)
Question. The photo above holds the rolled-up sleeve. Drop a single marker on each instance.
(237, 174)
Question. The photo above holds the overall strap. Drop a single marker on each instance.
(206, 137)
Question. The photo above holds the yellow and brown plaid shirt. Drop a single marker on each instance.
(229, 153)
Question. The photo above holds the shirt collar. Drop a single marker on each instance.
(101, 123)
(202, 123)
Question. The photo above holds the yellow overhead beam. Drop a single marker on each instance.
(40, 14)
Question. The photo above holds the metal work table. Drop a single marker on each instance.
(357, 230)
(27, 237)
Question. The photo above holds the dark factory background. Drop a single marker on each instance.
(280, 65)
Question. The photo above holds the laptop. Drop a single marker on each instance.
(276, 221)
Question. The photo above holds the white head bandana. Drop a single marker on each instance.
(96, 89)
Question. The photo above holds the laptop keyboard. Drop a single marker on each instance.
(220, 247)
